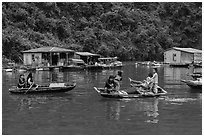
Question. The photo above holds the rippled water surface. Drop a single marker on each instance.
(83, 111)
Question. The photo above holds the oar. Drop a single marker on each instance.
(29, 88)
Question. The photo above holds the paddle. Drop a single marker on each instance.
(29, 88)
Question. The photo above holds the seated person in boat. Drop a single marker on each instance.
(21, 82)
(145, 84)
(110, 84)
(143, 87)
(117, 80)
(30, 82)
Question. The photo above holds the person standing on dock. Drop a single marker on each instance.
(155, 80)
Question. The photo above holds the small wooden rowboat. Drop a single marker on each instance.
(193, 83)
(51, 88)
(124, 94)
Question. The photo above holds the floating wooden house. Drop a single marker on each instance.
(47, 56)
(87, 57)
(182, 56)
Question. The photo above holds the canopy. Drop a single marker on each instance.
(86, 54)
(78, 61)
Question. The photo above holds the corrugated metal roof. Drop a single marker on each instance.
(189, 50)
(48, 49)
(86, 54)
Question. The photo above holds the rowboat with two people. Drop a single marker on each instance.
(136, 90)
(47, 88)
(124, 94)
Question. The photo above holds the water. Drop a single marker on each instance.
(83, 111)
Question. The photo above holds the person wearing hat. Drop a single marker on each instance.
(21, 82)
(117, 80)
(110, 84)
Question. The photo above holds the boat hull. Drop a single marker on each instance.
(42, 89)
(192, 84)
(121, 95)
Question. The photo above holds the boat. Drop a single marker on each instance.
(75, 64)
(50, 88)
(156, 64)
(197, 64)
(125, 94)
(195, 75)
(109, 62)
(144, 63)
(8, 70)
(42, 69)
(197, 84)
(179, 65)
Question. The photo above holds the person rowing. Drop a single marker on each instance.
(110, 84)
(30, 82)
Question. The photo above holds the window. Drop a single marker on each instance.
(33, 57)
(164, 56)
(174, 57)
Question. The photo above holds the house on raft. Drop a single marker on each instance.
(87, 57)
(182, 56)
(47, 57)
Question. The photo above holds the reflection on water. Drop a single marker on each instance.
(26, 102)
(149, 108)
(113, 110)
(173, 76)
(83, 111)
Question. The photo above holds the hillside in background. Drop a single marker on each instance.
(131, 31)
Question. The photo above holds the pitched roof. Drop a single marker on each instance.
(189, 50)
(48, 49)
(86, 54)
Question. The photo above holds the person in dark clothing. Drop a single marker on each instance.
(21, 82)
(30, 81)
(110, 84)
(117, 80)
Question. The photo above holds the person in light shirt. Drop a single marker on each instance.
(155, 80)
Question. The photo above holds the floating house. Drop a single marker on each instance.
(47, 56)
(182, 56)
(87, 57)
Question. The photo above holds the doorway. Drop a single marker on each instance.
(55, 59)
